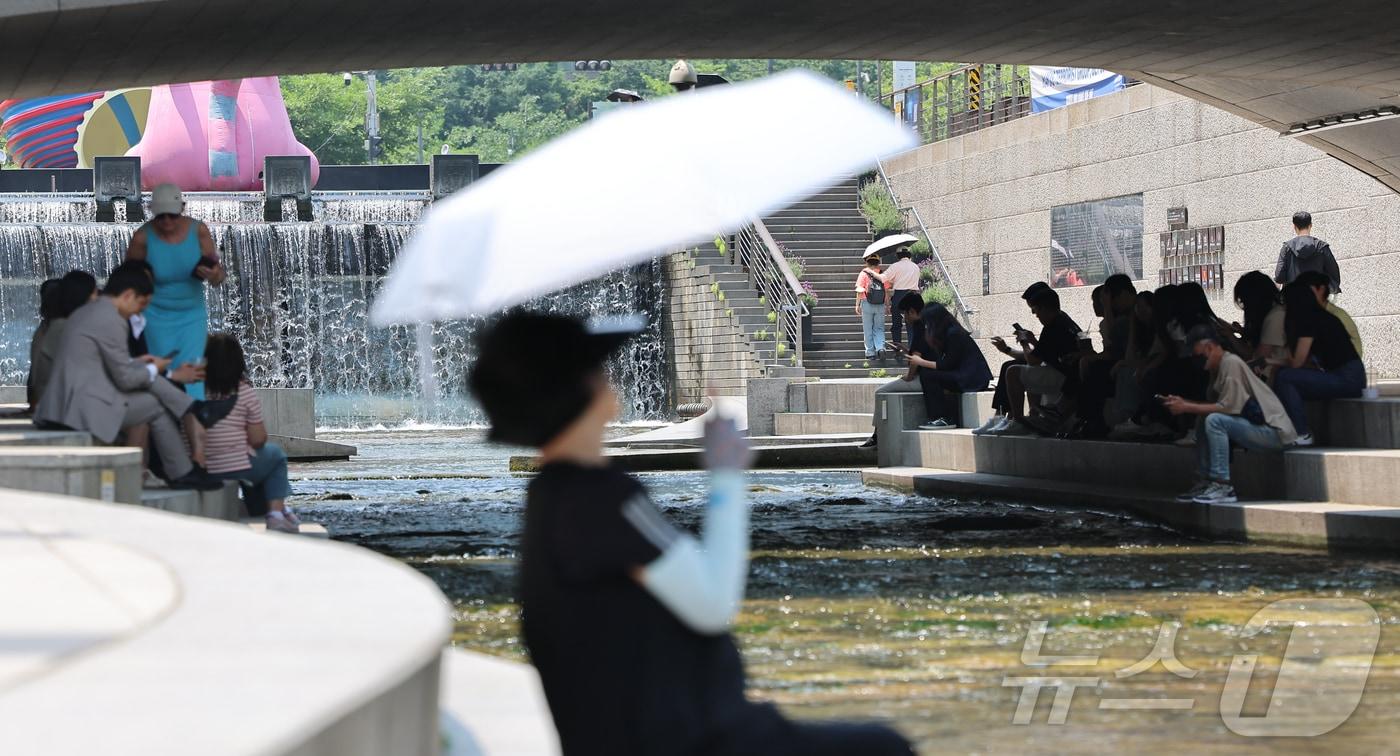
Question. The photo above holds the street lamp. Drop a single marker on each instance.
(374, 144)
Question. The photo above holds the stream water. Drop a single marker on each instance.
(864, 603)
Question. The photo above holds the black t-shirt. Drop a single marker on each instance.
(1331, 343)
(1059, 339)
(622, 675)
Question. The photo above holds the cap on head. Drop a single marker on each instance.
(167, 199)
(682, 73)
(525, 403)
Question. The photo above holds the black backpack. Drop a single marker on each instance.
(874, 290)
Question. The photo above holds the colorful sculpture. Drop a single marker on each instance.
(201, 136)
(214, 135)
(41, 133)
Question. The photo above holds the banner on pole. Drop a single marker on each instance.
(903, 75)
(1053, 87)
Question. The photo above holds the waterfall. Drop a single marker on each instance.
(298, 299)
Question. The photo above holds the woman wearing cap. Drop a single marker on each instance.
(183, 258)
(626, 616)
(871, 302)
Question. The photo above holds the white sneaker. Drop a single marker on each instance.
(1217, 493)
(986, 427)
(290, 515)
(1187, 440)
(1195, 491)
(1304, 440)
(276, 521)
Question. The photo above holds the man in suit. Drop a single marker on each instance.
(97, 387)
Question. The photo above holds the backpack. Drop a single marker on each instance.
(874, 290)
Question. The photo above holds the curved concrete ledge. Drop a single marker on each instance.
(492, 707)
(132, 631)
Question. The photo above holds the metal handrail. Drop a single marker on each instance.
(964, 312)
(768, 272)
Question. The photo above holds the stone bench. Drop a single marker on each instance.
(899, 411)
(222, 504)
(107, 473)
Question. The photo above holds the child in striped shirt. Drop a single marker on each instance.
(236, 447)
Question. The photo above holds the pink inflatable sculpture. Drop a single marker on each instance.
(213, 135)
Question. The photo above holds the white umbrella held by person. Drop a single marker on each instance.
(625, 188)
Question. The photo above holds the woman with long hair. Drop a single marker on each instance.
(1323, 364)
(236, 446)
(1262, 336)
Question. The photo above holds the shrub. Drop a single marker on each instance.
(797, 265)
(921, 250)
(878, 207)
(879, 373)
(927, 271)
(809, 295)
(782, 349)
(714, 287)
(772, 317)
(760, 335)
(939, 292)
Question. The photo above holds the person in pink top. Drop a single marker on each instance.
(901, 278)
(871, 302)
(236, 446)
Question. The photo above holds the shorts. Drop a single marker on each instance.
(1042, 379)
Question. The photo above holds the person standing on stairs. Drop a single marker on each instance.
(871, 303)
(902, 278)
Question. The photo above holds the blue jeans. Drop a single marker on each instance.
(872, 321)
(1217, 431)
(265, 479)
(1294, 386)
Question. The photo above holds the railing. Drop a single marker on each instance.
(768, 272)
(963, 100)
(963, 312)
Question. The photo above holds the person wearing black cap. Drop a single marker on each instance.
(624, 615)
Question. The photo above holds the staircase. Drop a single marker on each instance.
(828, 231)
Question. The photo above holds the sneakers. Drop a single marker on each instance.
(1195, 491)
(1217, 493)
(1304, 440)
(279, 522)
(939, 424)
(290, 515)
(1187, 440)
(870, 443)
(991, 425)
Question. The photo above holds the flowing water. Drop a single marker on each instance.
(298, 298)
(864, 603)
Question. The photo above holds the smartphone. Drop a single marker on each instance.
(170, 356)
(1159, 397)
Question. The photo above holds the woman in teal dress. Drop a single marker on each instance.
(182, 255)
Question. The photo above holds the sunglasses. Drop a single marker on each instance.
(167, 216)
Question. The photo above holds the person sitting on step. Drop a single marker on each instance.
(237, 446)
(99, 388)
(1324, 362)
(956, 366)
(1001, 406)
(1052, 362)
(1240, 410)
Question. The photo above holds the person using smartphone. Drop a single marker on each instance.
(626, 616)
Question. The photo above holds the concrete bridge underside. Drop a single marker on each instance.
(1275, 62)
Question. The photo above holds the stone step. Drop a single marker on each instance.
(109, 473)
(801, 224)
(1363, 477)
(32, 437)
(221, 504)
(808, 423)
(1328, 525)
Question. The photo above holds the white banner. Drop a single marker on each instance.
(1057, 87)
(903, 75)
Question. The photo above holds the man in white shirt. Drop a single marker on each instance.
(901, 278)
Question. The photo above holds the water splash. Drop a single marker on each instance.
(298, 298)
